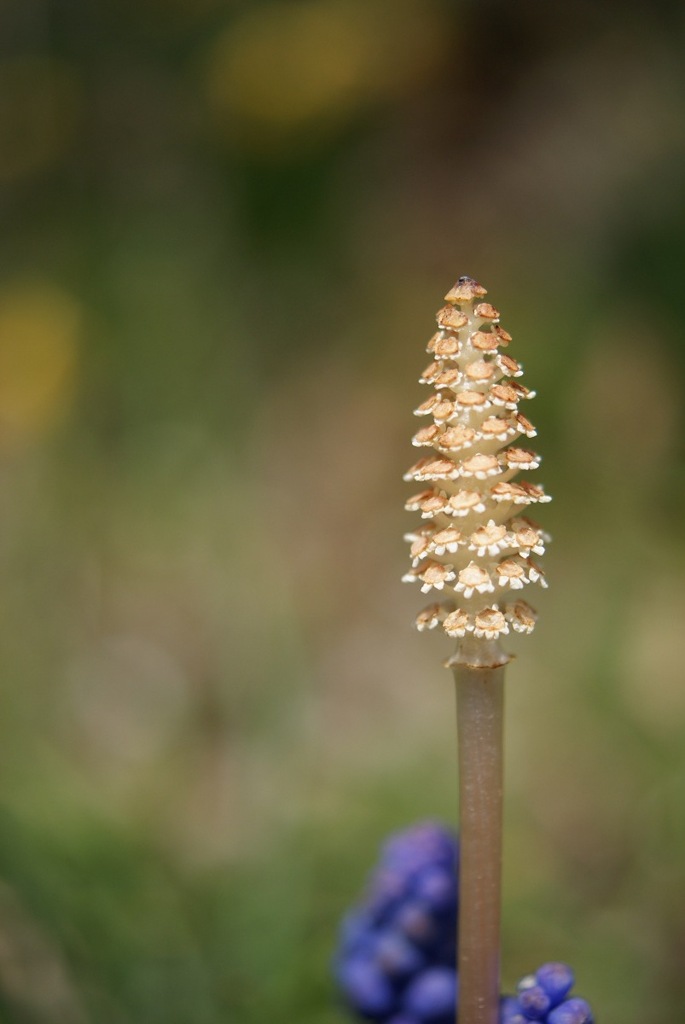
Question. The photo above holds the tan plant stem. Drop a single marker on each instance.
(480, 735)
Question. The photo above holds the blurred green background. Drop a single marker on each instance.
(226, 227)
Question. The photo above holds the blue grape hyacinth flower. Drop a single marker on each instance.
(396, 956)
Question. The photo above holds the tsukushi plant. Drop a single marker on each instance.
(474, 552)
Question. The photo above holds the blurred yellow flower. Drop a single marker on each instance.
(39, 329)
(289, 69)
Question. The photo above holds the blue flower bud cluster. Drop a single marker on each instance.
(545, 997)
(396, 960)
(396, 957)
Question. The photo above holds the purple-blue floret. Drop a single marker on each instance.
(573, 1011)
(432, 996)
(367, 988)
(556, 979)
(534, 1002)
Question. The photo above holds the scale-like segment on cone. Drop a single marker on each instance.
(475, 551)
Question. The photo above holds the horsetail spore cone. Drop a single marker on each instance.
(476, 552)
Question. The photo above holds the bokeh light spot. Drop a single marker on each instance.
(39, 328)
(289, 69)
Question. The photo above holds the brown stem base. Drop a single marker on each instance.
(480, 701)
